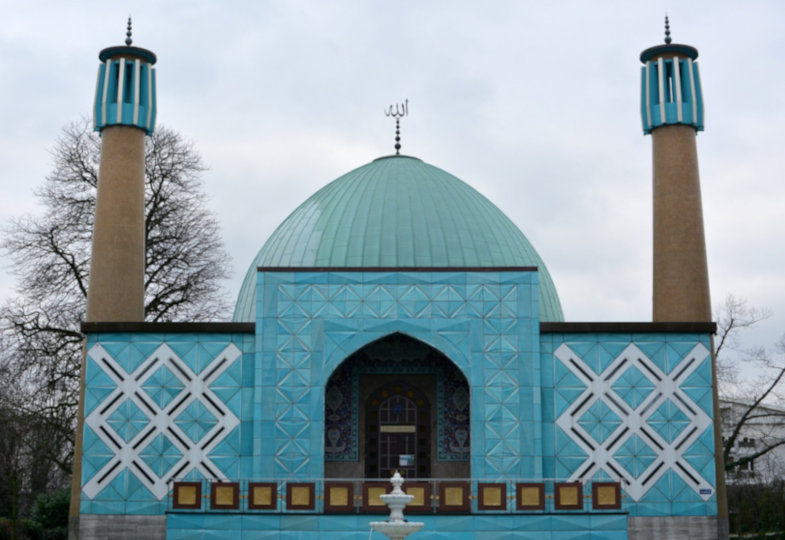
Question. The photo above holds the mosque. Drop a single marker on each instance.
(398, 320)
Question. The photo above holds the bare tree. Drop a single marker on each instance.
(185, 258)
(750, 404)
(34, 451)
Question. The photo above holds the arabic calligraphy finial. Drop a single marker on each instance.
(398, 113)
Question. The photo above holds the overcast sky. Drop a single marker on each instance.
(535, 104)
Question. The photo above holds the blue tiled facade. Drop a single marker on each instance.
(520, 527)
(545, 404)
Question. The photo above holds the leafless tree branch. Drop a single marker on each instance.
(40, 357)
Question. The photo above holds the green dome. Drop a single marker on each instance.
(397, 212)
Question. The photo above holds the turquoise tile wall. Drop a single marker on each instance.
(483, 321)
(159, 406)
(632, 408)
(578, 526)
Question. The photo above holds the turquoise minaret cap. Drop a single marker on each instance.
(125, 92)
(670, 86)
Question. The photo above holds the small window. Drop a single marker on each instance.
(747, 443)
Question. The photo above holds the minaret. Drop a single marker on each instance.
(124, 113)
(672, 112)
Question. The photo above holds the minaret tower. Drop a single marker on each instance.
(672, 112)
(124, 113)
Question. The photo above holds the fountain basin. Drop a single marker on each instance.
(396, 530)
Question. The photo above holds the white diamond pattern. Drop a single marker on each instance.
(635, 421)
(130, 386)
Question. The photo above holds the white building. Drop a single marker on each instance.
(763, 428)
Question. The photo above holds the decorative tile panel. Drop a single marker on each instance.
(632, 421)
(160, 420)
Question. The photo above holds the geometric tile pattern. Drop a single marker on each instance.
(483, 322)
(599, 421)
(161, 420)
(634, 421)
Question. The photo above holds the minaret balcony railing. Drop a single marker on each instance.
(671, 93)
(125, 94)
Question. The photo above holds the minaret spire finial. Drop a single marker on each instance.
(398, 114)
(667, 30)
(128, 39)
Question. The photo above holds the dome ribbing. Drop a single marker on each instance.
(397, 212)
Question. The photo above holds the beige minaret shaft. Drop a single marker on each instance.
(116, 291)
(681, 277)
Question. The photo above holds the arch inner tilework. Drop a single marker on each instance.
(342, 398)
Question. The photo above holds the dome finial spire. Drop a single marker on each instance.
(128, 39)
(398, 114)
(667, 30)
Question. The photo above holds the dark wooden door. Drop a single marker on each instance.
(397, 433)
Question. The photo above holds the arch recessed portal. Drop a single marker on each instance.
(397, 403)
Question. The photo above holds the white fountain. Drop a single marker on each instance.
(396, 528)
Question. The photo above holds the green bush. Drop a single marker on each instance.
(51, 509)
(756, 509)
(5, 528)
(30, 529)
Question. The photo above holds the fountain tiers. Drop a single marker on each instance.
(396, 528)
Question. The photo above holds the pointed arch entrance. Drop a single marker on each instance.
(397, 403)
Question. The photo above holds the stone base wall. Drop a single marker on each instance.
(126, 527)
(676, 527)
